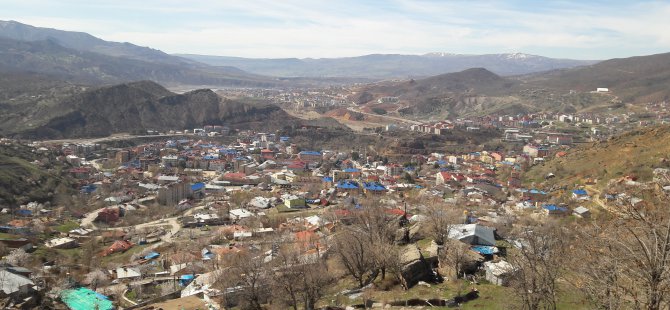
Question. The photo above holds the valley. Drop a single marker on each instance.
(132, 178)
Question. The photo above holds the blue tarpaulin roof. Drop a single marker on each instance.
(327, 179)
(485, 250)
(374, 186)
(227, 151)
(185, 279)
(535, 191)
(310, 153)
(25, 212)
(351, 170)
(88, 188)
(197, 186)
(554, 208)
(152, 255)
(83, 298)
(347, 185)
(579, 192)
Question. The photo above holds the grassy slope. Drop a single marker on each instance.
(634, 153)
(22, 181)
(491, 296)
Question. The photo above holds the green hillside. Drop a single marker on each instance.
(23, 181)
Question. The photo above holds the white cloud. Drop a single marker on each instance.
(302, 28)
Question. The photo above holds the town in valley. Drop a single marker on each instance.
(132, 178)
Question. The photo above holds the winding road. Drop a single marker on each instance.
(89, 222)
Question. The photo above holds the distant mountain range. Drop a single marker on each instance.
(388, 66)
(80, 57)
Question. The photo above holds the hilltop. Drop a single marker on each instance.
(137, 106)
(634, 79)
(479, 91)
(470, 91)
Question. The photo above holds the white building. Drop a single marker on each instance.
(498, 273)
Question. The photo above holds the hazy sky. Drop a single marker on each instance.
(335, 28)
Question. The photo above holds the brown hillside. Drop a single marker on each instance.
(635, 153)
(632, 79)
(145, 105)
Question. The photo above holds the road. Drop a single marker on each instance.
(115, 137)
(117, 287)
(397, 119)
(173, 222)
(89, 219)
(123, 295)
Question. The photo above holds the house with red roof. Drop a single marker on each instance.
(267, 154)
(108, 215)
(297, 166)
(307, 238)
(118, 247)
(442, 177)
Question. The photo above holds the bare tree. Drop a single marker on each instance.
(18, 257)
(4, 250)
(456, 255)
(379, 228)
(299, 279)
(538, 263)
(598, 275)
(353, 250)
(96, 278)
(439, 219)
(116, 290)
(635, 246)
(314, 282)
(285, 279)
(250, 275)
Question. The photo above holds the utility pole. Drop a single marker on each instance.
(404, 222)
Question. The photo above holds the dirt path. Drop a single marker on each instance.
(173, 222)
(89, 219)
(598, 200)
(397, 119)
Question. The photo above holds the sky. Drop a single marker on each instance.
(341, 28)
